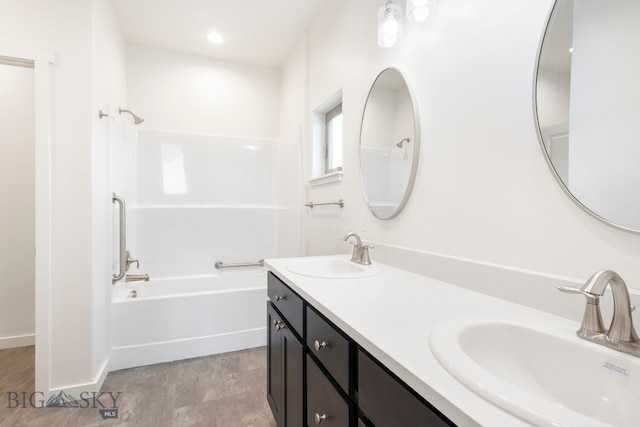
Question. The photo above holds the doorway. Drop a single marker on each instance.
(26, 180)
(17, 189)
(17, 228)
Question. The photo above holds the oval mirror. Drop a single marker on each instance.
(587, 102)
(389, 144)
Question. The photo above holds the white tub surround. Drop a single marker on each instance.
(391, 316)
(185, 317)
(194, 200)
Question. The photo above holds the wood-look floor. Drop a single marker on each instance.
(225, 390)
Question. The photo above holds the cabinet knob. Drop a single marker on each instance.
(279, 324)
(320, 418)
(319, 345)
(278, 298)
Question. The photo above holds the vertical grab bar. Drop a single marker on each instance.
(124, 255)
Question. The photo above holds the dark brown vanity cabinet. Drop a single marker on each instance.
(318, 376)
(330, 377)
(385, 401)
(325, 404)
(285, 358)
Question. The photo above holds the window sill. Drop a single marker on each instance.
(326, 179)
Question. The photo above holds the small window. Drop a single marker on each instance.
(333, 139)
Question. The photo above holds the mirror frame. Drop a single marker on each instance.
(416, 148)
(543, 149)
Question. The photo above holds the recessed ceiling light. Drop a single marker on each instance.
(215, 38)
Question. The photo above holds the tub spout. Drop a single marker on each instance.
(137, 277)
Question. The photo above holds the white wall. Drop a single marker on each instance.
(17, 190)
(109, 92)
(76, 30)
(181, 92)
(483, 190)
(289, 164)
(65, 28)
(192, 94)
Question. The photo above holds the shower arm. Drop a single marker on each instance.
(407, 140)
(136, 119)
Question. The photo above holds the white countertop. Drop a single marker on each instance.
(391, 315)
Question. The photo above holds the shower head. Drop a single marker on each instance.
(399, 144)
(136, 120)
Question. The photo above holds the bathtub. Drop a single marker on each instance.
(184, 317)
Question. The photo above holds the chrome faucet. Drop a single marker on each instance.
(360, 252)
(621, 335)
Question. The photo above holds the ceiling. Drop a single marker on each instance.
(258, 32)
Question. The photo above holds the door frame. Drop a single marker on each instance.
(43, 61)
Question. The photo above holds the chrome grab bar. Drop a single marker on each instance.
(338, 203)
(220, 264)
(137, 278)
(124, 254)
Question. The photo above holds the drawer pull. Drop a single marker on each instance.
(319, 345)
(279, 324)
(279, 298)
(320, 418)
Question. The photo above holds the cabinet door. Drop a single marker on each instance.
(275, 365)
(287, 302)
(387, 402)
(325, 405)
(285, 372)
(294, 379)
(331, 348)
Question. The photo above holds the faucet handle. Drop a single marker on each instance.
(132, 261)
(592, 319)
(571, 290)
(364, 256)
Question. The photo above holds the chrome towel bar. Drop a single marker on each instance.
(220, 264)
(338, 203)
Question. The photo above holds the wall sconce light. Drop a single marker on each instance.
(390, 19)
(389, 24)
(418, 10)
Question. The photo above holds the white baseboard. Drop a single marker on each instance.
(168, 351)
(82, 390)
(17, 341)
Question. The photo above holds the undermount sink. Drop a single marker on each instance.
(540, 373)
(332, 268)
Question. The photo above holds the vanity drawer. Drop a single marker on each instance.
(325, 405)
(331, 348)
(386, 401)
(287, 302)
